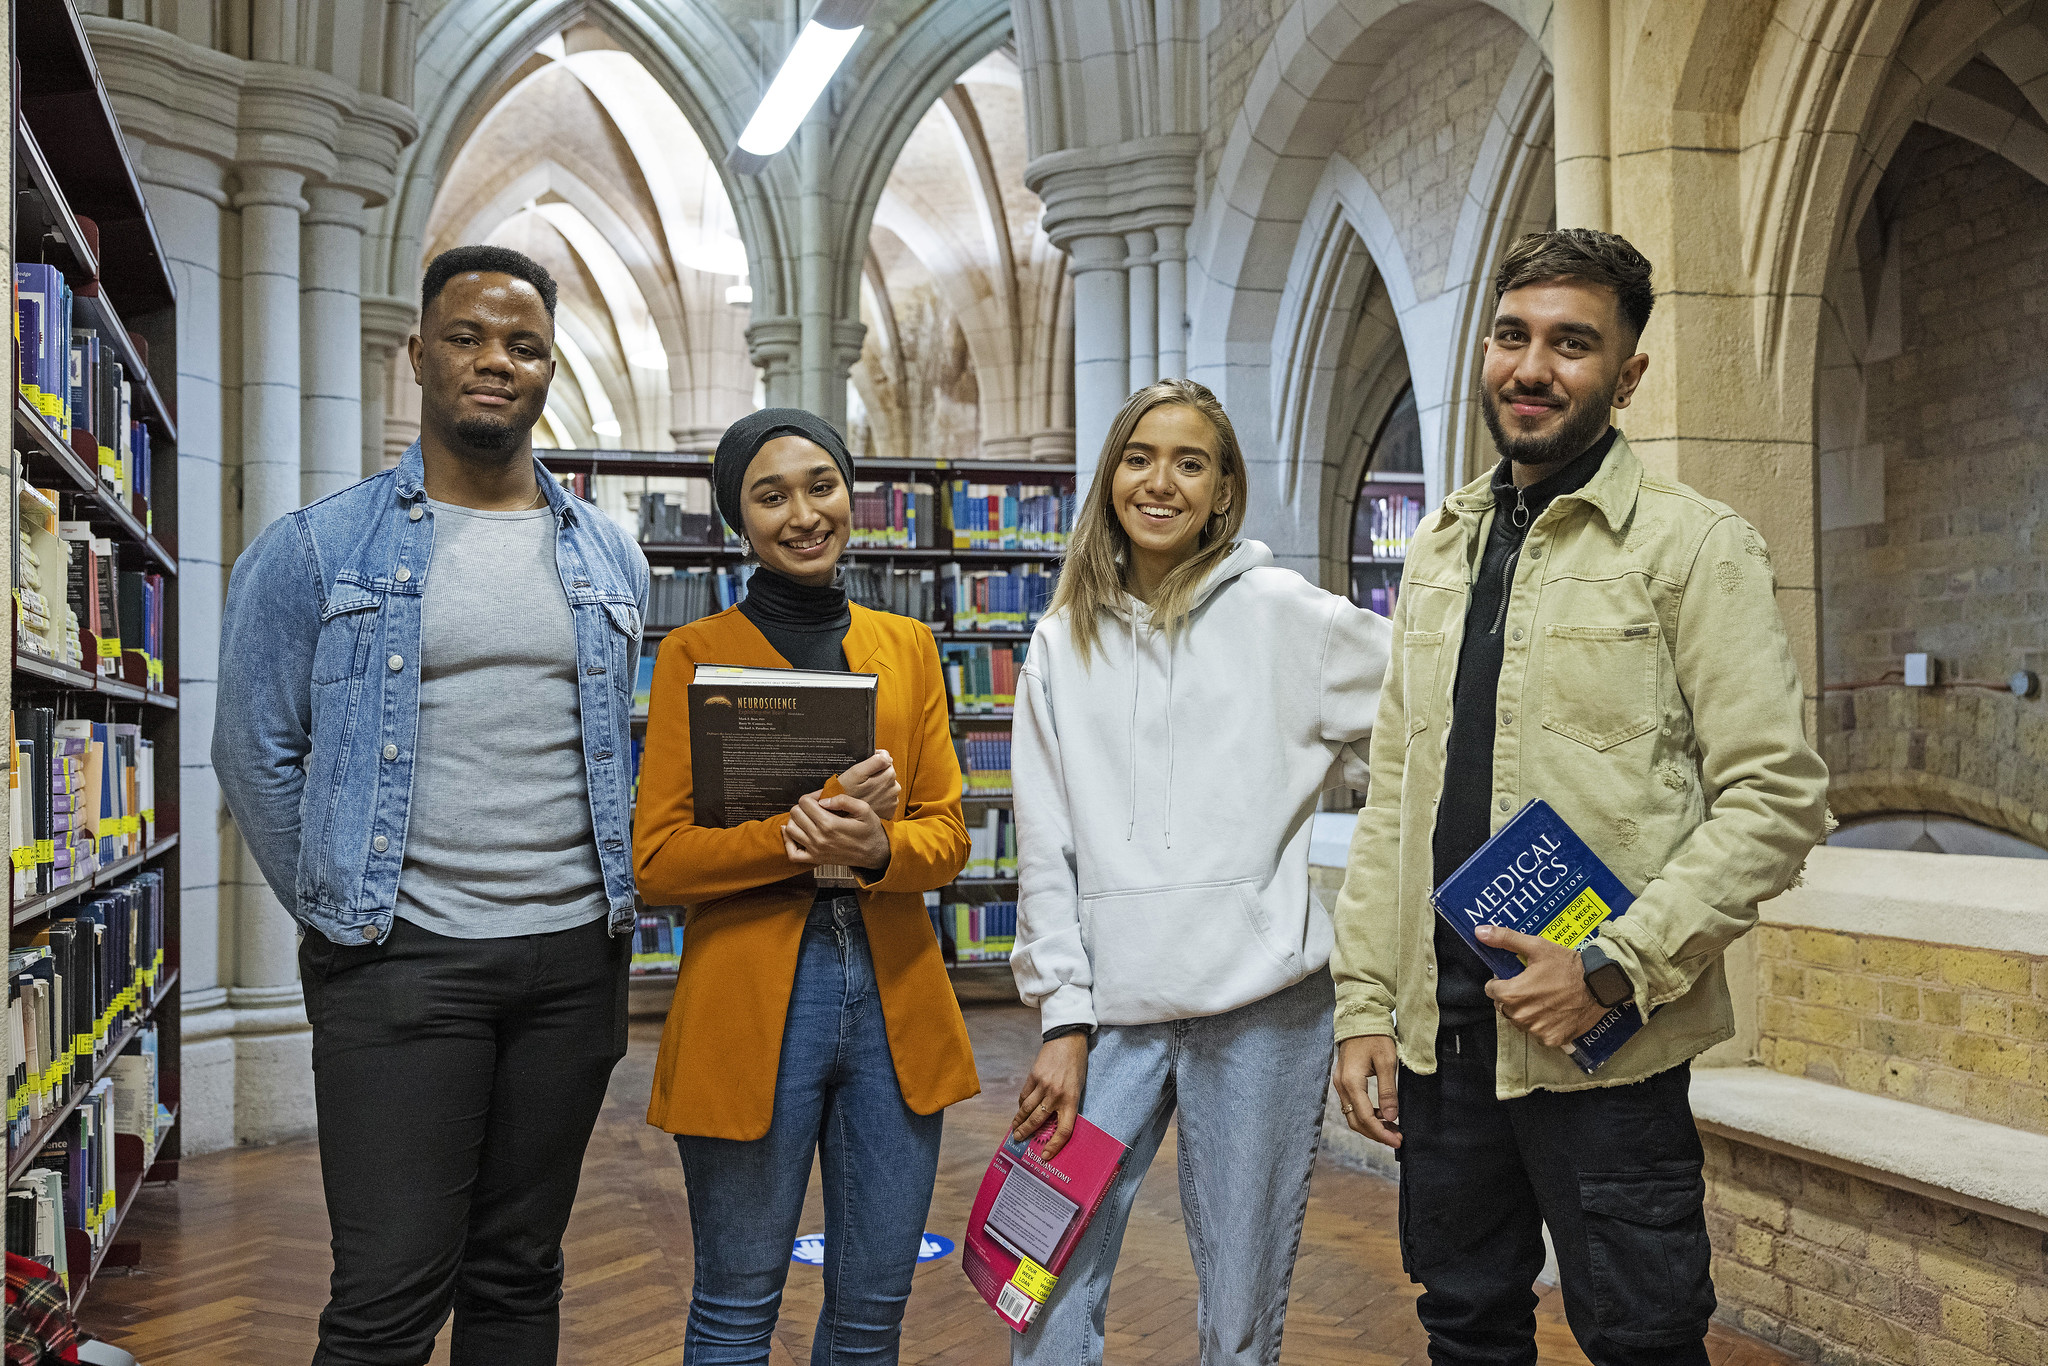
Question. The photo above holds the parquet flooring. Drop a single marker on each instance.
(235, 1257)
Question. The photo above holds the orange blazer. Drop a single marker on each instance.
(747, 902)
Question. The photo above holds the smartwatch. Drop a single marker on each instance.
(1604, 978)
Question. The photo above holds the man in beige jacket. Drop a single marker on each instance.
(1572, 628)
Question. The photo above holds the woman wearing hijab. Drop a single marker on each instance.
(807, 1020)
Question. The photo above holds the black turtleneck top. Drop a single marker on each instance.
(806, 625)
(1464, 819)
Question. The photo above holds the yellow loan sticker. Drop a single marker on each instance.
(1580, 917)
(1034, 1280)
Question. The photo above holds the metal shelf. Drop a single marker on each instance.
(690, 463)
(52, 672)
(108, 511)
(59, 220)
(23, 1153)
(36, 907)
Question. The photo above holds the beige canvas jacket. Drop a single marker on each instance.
(1647, 693)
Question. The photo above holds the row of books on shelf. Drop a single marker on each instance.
(1387, 523)
(73, 987)
(1379, 598)
(948, 597)
(76, 606)
(72, 1182)
(981, 678)
(657, 940)
(666, 520)
(82, 795)
(974, 932)
(984, 762)
(68, 374)
(1009, 516)
(992, 846)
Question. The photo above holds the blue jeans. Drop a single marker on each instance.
(1248, 1086)
(836, 1094)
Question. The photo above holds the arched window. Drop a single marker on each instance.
(1389, 507)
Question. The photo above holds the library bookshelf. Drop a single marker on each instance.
(78, 207)
(653, 985)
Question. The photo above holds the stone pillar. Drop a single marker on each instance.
(1172, 258)
(330, 341)
(387, 324)
(775, 344)
(814, 269)
(1580, 65)
(269, 206)
(1142, 284)
(1101, 341)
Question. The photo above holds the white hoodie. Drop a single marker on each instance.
(1165, 792)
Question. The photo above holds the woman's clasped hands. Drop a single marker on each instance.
(847, 828)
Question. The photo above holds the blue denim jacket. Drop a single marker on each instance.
(320, 688)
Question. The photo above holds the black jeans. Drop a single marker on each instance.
(1614, 1171)
(457, 1082)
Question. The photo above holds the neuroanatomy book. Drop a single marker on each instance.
(1538, 877)
(1030, 1213)
(762, 738)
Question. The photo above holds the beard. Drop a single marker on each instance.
(486, 435)
(1583, 423)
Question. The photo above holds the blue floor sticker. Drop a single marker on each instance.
(810, 1249)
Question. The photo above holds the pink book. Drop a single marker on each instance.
(1030, 1213)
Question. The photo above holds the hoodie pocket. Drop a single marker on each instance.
(1197, 949)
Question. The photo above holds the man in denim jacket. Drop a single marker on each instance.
(424, 735)
(1577, 628)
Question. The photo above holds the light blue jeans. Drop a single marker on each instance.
(1248, 1088)
(836, 1098)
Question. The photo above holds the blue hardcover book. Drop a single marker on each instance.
(1536, 876)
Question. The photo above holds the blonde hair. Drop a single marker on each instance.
(1092, 581)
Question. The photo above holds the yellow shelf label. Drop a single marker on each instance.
(109, 649)
(24, 856)
(46, 851)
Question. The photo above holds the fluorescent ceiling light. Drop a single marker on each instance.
(834, 27)
(653, 358)
(606, 426)
(739, 294)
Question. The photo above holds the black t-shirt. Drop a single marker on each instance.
(1464, 818)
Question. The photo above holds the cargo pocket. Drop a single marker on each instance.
(1646, 1239)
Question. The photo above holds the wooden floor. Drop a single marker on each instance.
(235, 1256)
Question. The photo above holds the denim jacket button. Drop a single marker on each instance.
(416, 513)
(404, 573)
(391, 751)
(396, 662)
(380, 844)
(369, 933)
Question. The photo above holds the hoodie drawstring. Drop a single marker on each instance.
(1131, 828)
(1169, 742)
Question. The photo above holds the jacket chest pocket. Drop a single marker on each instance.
(1600, 682)
(348, 630)
(622, 637)
(1422, 655)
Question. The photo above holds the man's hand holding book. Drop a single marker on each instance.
(1548, 1000)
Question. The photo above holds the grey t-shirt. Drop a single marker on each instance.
(499, 841)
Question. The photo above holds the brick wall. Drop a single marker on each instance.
(1962, 1030)
(1418, 131)
(1235, 46)
(1959, 567)
(1840, 1270)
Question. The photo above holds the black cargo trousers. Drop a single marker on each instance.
(1615, 1172)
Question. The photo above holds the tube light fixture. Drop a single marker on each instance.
(606, 426)
(834, 27)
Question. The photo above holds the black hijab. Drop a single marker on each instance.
(743, 441)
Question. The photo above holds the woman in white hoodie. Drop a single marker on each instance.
(1184, 704)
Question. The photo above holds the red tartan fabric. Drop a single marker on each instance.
(39, 1326)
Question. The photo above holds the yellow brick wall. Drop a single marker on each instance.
(1962, 1030)
(1837, 1269)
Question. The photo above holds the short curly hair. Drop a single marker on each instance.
(493, 260)
(1599, 258)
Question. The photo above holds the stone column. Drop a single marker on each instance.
(814, 271)
(1143, 287)
(1172, 258)
(1101, 341)
(387, 324)
(1579, 62)
(330, 341)
(775, 345)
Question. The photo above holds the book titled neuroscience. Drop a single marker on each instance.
(762, 738)
(1536, 876)
(1029, 1214)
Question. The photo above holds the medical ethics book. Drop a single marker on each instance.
(1536, 876)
